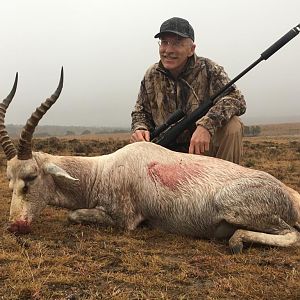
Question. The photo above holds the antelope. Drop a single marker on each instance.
(187, 194)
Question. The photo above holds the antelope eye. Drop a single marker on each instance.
(30, 178)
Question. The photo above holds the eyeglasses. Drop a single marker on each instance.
(175, 43)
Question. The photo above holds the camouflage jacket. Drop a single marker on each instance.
(160, 95)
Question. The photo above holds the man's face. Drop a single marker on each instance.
(174, 52)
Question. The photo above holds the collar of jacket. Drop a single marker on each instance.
(188, 68)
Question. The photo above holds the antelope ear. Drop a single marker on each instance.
(55, 170)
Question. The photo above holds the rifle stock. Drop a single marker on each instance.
(169, 131)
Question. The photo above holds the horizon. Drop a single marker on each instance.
(279, 122)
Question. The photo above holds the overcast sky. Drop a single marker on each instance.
(106, 47)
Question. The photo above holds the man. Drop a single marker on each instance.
(182, 80)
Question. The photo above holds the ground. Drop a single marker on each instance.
(62, 261)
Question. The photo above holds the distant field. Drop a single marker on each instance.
(96, 133)
(280, 129)
(266, 130)
(102, 136)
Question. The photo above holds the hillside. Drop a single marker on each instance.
(48, 130)
(51, 130)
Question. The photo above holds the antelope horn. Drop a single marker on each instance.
(7, 145)
(24, 146)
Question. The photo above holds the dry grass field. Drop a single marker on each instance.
(63, 261)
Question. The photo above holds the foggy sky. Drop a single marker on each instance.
(105, 48)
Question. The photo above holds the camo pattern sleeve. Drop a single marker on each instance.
(142, 113)
(226, 106)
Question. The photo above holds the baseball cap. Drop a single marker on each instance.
(178, 26)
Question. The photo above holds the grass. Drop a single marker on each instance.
(62, 261)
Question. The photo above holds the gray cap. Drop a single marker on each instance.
(178, 26)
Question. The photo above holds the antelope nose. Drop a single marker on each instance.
(21, 227)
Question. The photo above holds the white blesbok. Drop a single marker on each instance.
(182, 193)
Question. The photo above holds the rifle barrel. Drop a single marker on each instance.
(281, 42)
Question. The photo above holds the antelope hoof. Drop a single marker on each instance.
(73, 218)
(236, 245)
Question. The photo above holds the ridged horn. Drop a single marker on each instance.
(24, 146)
(7, 145)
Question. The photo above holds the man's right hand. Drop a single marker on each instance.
(140, 135)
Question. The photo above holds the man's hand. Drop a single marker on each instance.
(140, 135)
(200, 141)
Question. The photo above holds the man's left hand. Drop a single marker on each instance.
(200, 141)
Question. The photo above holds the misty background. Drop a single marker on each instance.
(105, 48)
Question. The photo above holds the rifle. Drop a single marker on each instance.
(167, 133)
